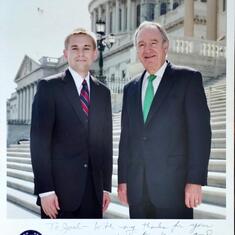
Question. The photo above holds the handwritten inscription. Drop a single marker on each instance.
(128, 227)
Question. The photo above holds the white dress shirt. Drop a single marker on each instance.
(156, 81)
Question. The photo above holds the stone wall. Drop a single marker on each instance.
(16, 132)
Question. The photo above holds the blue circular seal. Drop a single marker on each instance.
(30, 232)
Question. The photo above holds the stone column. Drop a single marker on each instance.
(18, 107)
(27, 103)
(23, 104)
(211, 32)
(133, 16)
(188, 18)
(100, 13)
(95, 19)
(129, 11)
(92, 22)
(107, 19)
(35, 87)
(30, 100)
(171, 4)
(123, 17)
(117, 16)
(114, 19)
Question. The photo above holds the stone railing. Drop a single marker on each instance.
(18, 122)
(197, 47)
(116, 86)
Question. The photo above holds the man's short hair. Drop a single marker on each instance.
(147, 24)
(81, 31)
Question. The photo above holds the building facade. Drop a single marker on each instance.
(197, 35)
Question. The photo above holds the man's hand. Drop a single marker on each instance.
(193, 195)
(122, 193)
(50, 205)
(106, 201)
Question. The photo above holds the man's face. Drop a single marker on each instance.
(80, 53)
(151, 49)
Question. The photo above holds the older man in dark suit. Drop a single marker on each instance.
(165, 135)
(71, 137)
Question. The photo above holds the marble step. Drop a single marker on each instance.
(214, 166)
(218, 110)
(218, 125)
(216, 153)
(23, 199)
(219, 133)
(19, 154)
(211, 195)
(215, 179)
(18, 149)
(15, 211)
(20, 166)
(204, 211)
(19, 160)
(218, 114)
(218, 143)
(20, 145)
(19, 174)
(21, 185)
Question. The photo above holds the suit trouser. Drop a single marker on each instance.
(146, 210)
(89, 207)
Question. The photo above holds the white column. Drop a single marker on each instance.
(107, 19)
(171, 4)
(95, 18)
(211, 33)
(27, 103)
(189, 18)
(34, 88)
(133, 16)
(92, 22)
(129, 10)
(114, 19)
(18, 107)
(117, 16)
(99, 13)
(30, 101)
(23, 104)
(123, 17)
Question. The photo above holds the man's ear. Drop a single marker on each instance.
(166, 46)
(65, 54)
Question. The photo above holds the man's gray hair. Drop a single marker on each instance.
(147, 24)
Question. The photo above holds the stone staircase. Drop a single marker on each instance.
(20, 176)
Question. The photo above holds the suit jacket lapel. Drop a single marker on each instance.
(73, 96)
(162, 91)
(94, 96)
(137, 99)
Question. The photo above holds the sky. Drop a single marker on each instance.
(36, 28)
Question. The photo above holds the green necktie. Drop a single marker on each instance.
(149, 94)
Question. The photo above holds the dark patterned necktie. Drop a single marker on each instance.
(84, 97)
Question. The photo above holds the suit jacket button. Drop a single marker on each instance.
(144, 138)
(85, 165)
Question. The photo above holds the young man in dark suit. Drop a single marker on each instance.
(165, 136)
(71, 137)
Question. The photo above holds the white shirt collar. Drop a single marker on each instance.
(160, 72)
(78, 79)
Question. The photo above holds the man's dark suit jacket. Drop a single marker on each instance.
(172, 148)
(64, 143)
